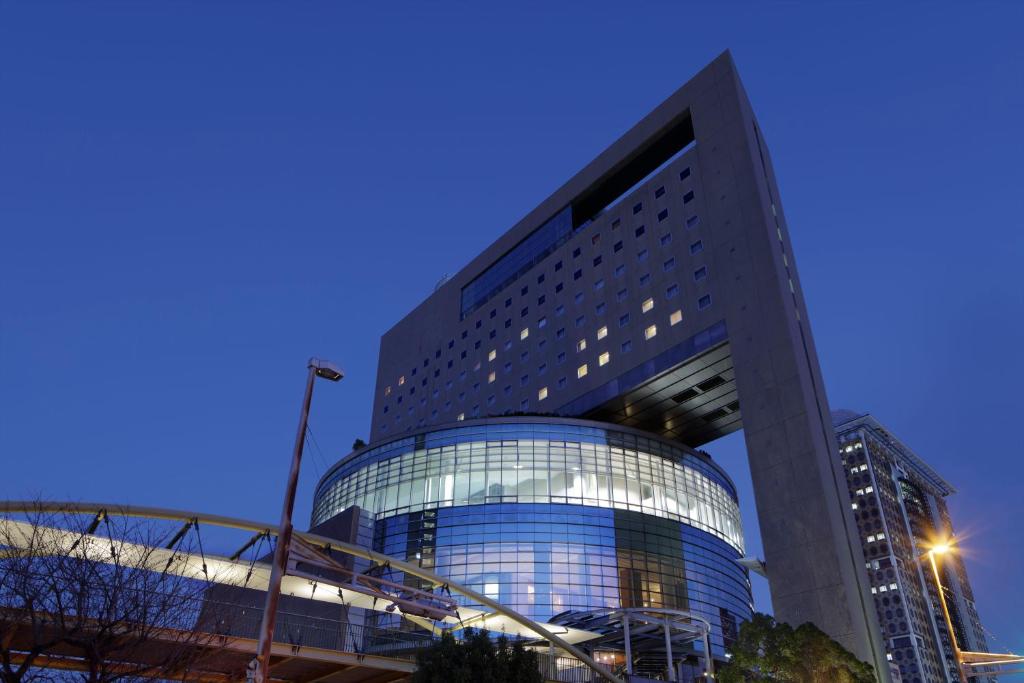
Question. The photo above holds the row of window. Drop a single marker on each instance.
(695, 248)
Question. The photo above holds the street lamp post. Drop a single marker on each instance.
(939, 550)
(331, 372)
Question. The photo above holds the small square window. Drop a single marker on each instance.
(542, 369)
(460, 417)
(650, 331)
(647, 305)
(476, 366)
(576, 252)
(595, 239)
(492, 354)
(671, 291)
(508, 367)
(581, 345)
(560, 334)
(697, 247)
(641, 255)
(508, 323)
(542, 323)
(508, 344)
(704, 302)
(524, 312)
(524, 291)
(561, 383)
(542, 393)
(491, 376)
(599, 285)
(578, 298)
(604, 358)
(558, 266)
(558, 287)
(581, 320)
(620, 271)
(668, 265)
(450, 363)
(597, 261)
(492, 334)
(524, 356)
(626, 346)
(540, 300)
(685, 173)
(479, 324)
(666, 239)
(618, 246)
(560, 358)
(700, 273)
(577, 274)
(688, 197)
(494, 312)
(692, 221)
(524, 333)
(581, 371)
(451, 343)
(602, 332)
(662, 215)
(508, 302)
(639, 231)
(507, 389)
(465, 334)
(559, 309)
(645, 279)
(540, 278)
(637, 208)
(490, 400)
(659, 192)
(623, 319)
(599, 309)
(616, 223)
(524, 380)
(675, 318)
(621, 295)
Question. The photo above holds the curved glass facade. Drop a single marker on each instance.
(550, 515)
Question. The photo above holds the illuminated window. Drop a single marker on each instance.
(676, 317)
(647, 305)
(387, 390)
(476, 366)
(401, 380)
(492, 355)
(581, 371)
(542, 393)
(461, 417)
(581, 345)
(650, 332)
(604, 358)
(602, 332)
(490, 377)
(524, 333)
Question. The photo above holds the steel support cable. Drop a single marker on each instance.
(199, 539)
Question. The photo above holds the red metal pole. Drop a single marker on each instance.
(284, 537)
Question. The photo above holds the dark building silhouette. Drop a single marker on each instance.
(899, 505)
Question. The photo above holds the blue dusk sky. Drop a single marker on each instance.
(195, 197)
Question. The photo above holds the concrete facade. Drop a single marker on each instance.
(657, 289)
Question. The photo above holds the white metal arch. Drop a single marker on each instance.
(23, 506)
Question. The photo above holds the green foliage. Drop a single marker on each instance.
(769, 651)
(477, 659)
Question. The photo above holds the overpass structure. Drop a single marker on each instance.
(335, 652)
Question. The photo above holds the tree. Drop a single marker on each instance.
(357, 444)
(101, 596)
(766, 650)
(477, 659)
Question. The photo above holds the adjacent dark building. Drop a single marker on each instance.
(900, 508)
(655, 292)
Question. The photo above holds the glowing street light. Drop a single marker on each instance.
(942, 548)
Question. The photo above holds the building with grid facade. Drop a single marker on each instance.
(900, 508)
(655, 291)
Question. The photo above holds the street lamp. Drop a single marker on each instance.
(261, 664)
(941, 549)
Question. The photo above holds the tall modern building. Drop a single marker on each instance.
(654, 295)
(900, 508)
